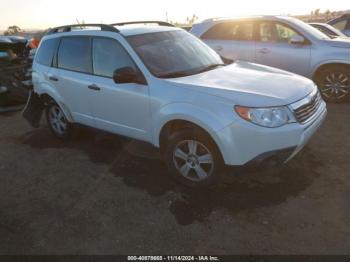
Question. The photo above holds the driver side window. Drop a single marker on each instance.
(275, 32)
(284, 33)
(109, 55)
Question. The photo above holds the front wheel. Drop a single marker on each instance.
(193, 158)
(334, 83)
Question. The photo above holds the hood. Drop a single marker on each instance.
(339, 42)
(249, 84)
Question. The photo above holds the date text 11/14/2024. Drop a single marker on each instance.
(173, 258)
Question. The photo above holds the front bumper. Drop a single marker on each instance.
(242, 143)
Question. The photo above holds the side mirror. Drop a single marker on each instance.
(226, 61)
(127, 75)
(297, 40)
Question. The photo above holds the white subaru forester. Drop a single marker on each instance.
(162, 85)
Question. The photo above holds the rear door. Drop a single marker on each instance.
(273, 48)
(72, 75)
(232, 40)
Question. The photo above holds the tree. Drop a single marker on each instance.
(191, 20)
(311, 16)
(12, 30)
(317, 13)
(327, 14)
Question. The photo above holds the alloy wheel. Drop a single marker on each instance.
(193, 160)
(57, 120)
(336, 85)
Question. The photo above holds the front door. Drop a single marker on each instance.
(118, 108)
(273, 48)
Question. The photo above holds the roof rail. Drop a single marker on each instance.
(68, 28)
(160, 23)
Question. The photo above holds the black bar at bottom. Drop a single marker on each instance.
(175, 258)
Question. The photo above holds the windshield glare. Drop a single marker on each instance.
(173, 53)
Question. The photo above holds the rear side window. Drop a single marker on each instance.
(242, 31)
(109, 55)
(47, 51)
(75, 54)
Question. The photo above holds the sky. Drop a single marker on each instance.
(41, 14)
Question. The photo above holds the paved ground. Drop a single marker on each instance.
(100, 195)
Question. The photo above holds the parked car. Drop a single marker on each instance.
(14, 43)
(15, 73)
(329, 30)
(342, 23)
(286, 43)
(162, 85)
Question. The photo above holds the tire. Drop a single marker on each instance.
(183, 155)
(57, 121)
(334, 83)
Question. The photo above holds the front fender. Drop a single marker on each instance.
(210, 122)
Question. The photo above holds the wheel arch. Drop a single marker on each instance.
(183, 115)
(177, 124)
(46, 98)
(325, 65)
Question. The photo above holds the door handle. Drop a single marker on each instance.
(264, 51)
(94, 87)
(52, 78)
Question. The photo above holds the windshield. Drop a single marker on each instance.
(174, 53)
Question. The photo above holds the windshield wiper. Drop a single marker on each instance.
(190, 72)
(209, 67)
(175, 74)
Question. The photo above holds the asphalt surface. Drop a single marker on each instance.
(100, 194)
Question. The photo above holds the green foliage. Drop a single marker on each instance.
(12, 30)
(189, 21)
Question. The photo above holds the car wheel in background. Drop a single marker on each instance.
(334, 83)
(193, 158)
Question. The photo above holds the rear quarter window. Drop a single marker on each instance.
(47, 51)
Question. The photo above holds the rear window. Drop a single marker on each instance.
(75, 54)
(340, 25)
(47, 51)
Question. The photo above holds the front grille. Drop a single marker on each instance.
(308, 107)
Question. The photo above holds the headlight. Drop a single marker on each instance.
(266, 117)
